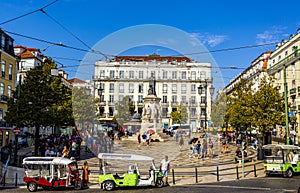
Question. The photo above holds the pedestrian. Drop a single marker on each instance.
(165, 168)
(193, 148)
(181, 142)
(144, 138)
(139, 139)
(204, 148)
(85, 174)
(210, 148)
(198, 148)
(224, 145)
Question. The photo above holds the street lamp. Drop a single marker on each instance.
(200, 91)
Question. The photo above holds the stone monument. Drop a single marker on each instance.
(151, 116)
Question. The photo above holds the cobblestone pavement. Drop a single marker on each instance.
(183, 165)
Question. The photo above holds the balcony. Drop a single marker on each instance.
(286, 61)
(293, 108)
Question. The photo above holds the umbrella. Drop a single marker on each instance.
(151, 131)
(193, 140)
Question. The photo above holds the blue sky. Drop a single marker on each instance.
(217, 24)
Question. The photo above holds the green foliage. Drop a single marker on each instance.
(218, 110)
(41, 99)
(83, 106)
(125, 110)
(180, 115)
(262, 109)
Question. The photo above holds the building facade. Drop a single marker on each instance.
(177, 81)
(7, 83)
(285, 67)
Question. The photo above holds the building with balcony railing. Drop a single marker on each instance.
(7, 83)
(177, 79)
(285, 67)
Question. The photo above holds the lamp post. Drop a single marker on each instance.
(200, 91)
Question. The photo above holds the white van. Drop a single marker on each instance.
(184, 128)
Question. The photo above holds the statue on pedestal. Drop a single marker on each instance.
(152, 82)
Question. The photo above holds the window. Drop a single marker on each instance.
(141, 88)
(165, 88)
(131, 74)
(174, 88)
(165, 74)
(286, 53)
(202, 75)
(153, 74)
(141, 74)
(193, 112)
(111, 74)
(10, 70)
(183, 99)
(111, 111)
(121, 74)
(203, 99)
(121, 97)
(279, 58)
(164, 112)
(174, 99)
(121, 88)
(3, 68)
(111, 87)
(111, 98)
(131, 88)
(193, 75)
(165, 99)
(183, 75)
(193, 88)
(193, 99)
(174, 75)
(140, 99)
(9, 91)
(279, 75)
(102, 73)
(183, 88)
(293, 68)
(2, 42)
(1, 88)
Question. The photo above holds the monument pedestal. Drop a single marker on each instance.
(151, 119)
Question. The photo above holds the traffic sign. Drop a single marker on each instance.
(16, 131)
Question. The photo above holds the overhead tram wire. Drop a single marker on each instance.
(10, 20)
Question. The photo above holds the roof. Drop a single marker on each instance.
(153, 57)
(27, 54)
(76, 80)
(47, 160)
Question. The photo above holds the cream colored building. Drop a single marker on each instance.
(177, 81)
(285, 59)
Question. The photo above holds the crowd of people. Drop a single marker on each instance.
(63, 145)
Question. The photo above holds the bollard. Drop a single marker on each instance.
(196, 175)
(16, 180)
(254, 170)
(237, 172)
(173, 175)
(218, 179)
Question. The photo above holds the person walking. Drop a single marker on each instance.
(85, 174)
(210, 148)
(165, 168)
(198, 148)
(181, 141)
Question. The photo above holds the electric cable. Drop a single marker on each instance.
(10, 20)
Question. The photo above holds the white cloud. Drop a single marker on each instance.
(275, 34)
(209, 39)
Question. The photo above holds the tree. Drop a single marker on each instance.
(268, 106)
(180, 115)
(125, 110)
(84, 107)
(41, 100)
(218, 109)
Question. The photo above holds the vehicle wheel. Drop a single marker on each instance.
(267, 174)
(289, 173)
(159, 183)
(78, 185)
(32, 187)
(109, 185)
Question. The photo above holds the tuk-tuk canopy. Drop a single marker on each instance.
(47, 160)
(279, 146)
(115, 156)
